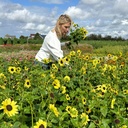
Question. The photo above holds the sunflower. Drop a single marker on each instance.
(84, 118)
(112, 103)
(27, 83)
(66, 78)
(68, 108)
(84, 101)
(67, 97)
(12, 69)
(41, 124)
(73, 112)
(56, 84)
(63, 88)
(9, 107)
(61, 62)
(54, 109)
(18, 69)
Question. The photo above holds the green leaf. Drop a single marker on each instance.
(104, 110)
(16, 125)
(92, 125)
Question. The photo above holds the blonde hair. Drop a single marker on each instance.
(63, 19)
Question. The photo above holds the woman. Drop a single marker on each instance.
(51, 47)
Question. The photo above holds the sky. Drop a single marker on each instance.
(25, 17)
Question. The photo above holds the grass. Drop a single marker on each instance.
(95, 47)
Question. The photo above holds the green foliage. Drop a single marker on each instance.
(88, 92)
(77, 34)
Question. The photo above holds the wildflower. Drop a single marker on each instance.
(114, 58)
(18, 69)
(54, 109)
(52, 76)
(67, 97)
(54, 67)
(72, 53)
(113, 67)
(67, 60)
(25, 68)
(27, 83)
(68, 108)
(103, 88)
(109, 55)
(63, 89)
(61, 62)
(86, 57)
(125, 91)
(66, 78)
(2, 76)
(12, 69)
(43, 75)
(79, 52)
(83, 70)
(73, 112)
(84, 118)
(88, 110)
(124, 126)
(9, 107)
(41, 124)
(84, 101)
(56, 84)
(112, 103)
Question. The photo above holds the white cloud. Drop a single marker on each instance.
(50, 1)
(90, 1)
(97, 16)
(125, 22)
(76, 12)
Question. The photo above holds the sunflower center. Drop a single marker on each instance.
(41, 126)
(9, 107)
(27, 83)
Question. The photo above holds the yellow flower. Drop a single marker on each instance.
(68, 108)
(84, 101)
(18, 69)
(72, 53)
(56, 84)
(9, 107)
(112, 103)
(66, 78)
(61, 62)
(79, 52)
(25, 68)
(41, 124)
(54, 109)
(125, 91)
(2, 76)
(114, 58)
(12, 69)
(63, 89)
(54, 67)
(84, 118)
(124, 126)
(103, 88)
(27, 83)
(67, 97)
(67, 59)
(73, 112)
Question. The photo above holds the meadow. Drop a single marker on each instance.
(91, 91)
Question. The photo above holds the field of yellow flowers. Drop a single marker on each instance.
(80, 91)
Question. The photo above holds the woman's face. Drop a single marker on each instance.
(65, 28)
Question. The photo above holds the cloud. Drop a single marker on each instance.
(97, 16)
(76, 13)
(50, 1)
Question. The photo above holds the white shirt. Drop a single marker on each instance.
(50, 49)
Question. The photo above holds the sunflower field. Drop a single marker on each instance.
(80, 91)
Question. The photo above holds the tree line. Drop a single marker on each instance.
(38, 40)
